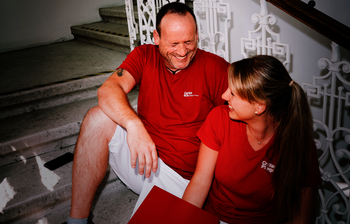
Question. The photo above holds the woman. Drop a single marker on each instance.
(257, 155)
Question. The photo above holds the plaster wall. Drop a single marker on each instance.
(37, 22)
(307, 46)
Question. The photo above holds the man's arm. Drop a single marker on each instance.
(199, 186)
(114, 103)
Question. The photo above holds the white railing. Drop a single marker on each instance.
(329, 91)
(132, 25)
(146, 10)
(209, 15)
(262, 40)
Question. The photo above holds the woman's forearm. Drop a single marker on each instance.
(199, 186)
(196, 192)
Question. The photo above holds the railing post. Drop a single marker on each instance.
(132, 25)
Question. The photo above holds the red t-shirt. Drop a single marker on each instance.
(242, 187)
(173, 107)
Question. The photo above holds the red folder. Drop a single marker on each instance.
(161, 207)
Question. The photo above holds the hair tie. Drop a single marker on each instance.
(291, 82)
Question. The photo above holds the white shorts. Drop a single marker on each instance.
(165, 177)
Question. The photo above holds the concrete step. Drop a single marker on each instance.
(44, 130)
(50, 95)
(50, 85)
(34, 193)
(116, 14)
(41, 131)
(44, 65)
(108, 35)
(114, 205)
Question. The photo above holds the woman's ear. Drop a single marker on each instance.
(260, 108)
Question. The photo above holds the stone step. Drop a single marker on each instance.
(108, 35)
(114, 205)
(33, 193)
(49, 84)
(116, 14)
(50, 95)
(41, 131)
(44, 130)
(40, 66)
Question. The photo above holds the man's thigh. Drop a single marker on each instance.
(165, 177)
(119, 160)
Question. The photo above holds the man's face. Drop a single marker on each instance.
(178, 41)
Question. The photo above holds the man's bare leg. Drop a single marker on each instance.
(90, 160)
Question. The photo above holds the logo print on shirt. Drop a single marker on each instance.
(268, 166)
(189, 94)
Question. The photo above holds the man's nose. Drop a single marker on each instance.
(181, 51)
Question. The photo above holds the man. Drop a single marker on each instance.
(179, 85)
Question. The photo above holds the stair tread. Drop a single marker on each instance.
(110, 27)
(42, 120)
(27, 177)
(34, 186)
(54, 62)
(45, 130)
(116, 11)
(112, 206)
(25, 124)
(64, 92)
(113, 10)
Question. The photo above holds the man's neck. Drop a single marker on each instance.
(172, 72)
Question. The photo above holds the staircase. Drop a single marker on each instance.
(111, 33)
(40, 117)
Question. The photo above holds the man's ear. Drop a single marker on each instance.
(156, 37)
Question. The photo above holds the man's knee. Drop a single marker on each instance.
(97, 122)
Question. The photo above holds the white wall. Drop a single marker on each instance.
(307, 45)
(37, 22)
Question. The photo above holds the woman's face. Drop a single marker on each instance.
(239, 109)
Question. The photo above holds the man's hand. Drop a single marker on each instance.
(142, 147)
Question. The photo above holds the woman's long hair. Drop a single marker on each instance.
(264, 79)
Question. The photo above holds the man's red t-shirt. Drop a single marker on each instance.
(173, 107)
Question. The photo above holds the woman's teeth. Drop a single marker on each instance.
(230, 107)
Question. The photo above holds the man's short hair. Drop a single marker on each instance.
(174, 7)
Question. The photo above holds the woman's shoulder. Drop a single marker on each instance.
(219, 111)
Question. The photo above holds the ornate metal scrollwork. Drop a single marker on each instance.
(262, 40)
(333, 137)
(208, 14)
